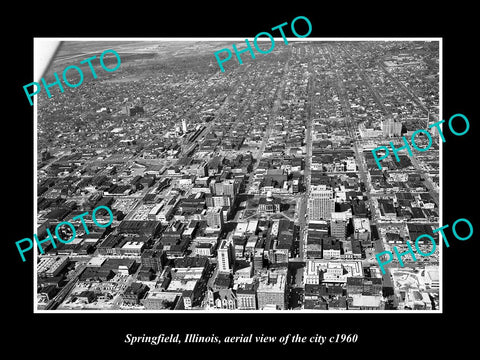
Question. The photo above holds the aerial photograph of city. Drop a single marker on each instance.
(251, 189)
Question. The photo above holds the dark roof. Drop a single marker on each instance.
(358, 207)
(186, 262)
(149, 197)
(415, 230)
(338, 303)
(240, 241)
(417, 212)
(318, 226)
(312, 289)
(56, 280)
(241, 264)
(204, 246)
(96, 273)
(152, 253)
(223, 280)
(86, 293)
(58, 213)
(392, 236)
(426, 197)
(178, 249)
(315, 304)
(430, 212)
(387, 206)
(362, 280)
(139, 227)
(404, 202)
(334, 289)
(115, 263)
(341, 207)
(356, 247)
(330, 244)
(136, 288)
(285, 241)
(404, 196)
(355, 281)
(246, 288)
(111, 241)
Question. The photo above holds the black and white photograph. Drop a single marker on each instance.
(292, 181)
(267, 186)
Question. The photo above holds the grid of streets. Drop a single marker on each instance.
(253, 189)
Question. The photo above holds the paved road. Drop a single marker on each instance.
(271, 120)
(351, 130)
(302, 219)
(359, 156)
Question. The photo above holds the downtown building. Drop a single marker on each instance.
(225, 256)
(391, 128)
(229, 187)
(246, 295)
(272, 290)
(214, 217)
(338, 224)
(321, 203)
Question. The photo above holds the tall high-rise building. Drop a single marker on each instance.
(391, 127)
(225, 256)
(227, 187)
(202, 170)
(214, 217)
(184, 126)
(338, 225)
(321, 203)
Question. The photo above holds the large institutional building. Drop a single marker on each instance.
(321, 203)
(391, 128)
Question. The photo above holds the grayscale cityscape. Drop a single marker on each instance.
(251, 189)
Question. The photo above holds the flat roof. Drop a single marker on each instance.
(96, 261)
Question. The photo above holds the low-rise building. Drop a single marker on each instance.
(163, 300)
(134, 293)
(246, 295)
(272, 289)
